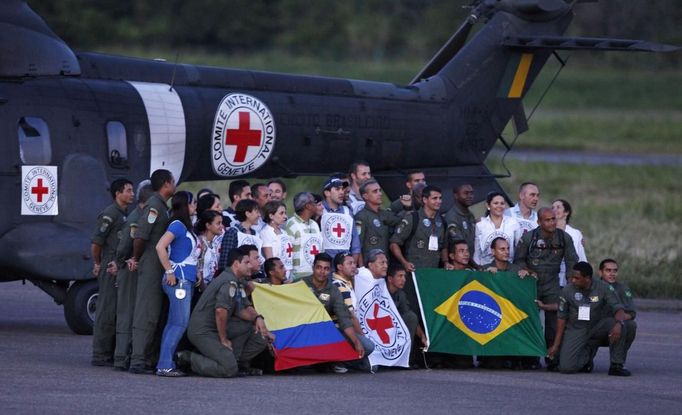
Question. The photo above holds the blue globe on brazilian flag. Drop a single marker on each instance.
(479, 313)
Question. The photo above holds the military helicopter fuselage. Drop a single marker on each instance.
(73, 122)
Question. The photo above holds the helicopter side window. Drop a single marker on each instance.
(34, 141)
(118, 144)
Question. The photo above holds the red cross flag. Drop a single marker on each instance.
(381, 322)
(243, 135)
(39, 190)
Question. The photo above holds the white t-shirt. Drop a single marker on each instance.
(577, 237)
(486, 233)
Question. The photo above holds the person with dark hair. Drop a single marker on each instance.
(208, 201)
(152, 224)
(332, 300)
(247, 215)
(493, 225)
(590, 315)
(275, 272)
(404, 202)
(395, 282)
(276, 242)
(461, 222)
(524, 211)
(563, 212)
(305, 235)
(359, 173)
(278, 190)
(225, 328)
(541, 252)
(208, 228)
(373, 223)
(319, 207)
(126, 280)
(203, 192)
(419, 239)
(103, 249)
(238, 190)
(500, 249)
(260, 192)
(179, 250)
(459, 256)
(608, 271)
(336, 224)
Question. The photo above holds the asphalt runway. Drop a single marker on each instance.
(46, 369)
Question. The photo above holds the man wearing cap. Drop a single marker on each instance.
(338, 233)
(305, 235)
(373, 223)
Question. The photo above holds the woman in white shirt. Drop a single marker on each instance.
(276, 242)
(563, 211)
(493, 225)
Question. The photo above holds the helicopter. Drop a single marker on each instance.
(72, 122)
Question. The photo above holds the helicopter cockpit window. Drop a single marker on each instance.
(118, 144)
(34, 141)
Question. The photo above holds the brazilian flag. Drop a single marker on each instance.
(479, 313)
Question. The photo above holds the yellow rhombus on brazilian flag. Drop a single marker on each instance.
(479, 313)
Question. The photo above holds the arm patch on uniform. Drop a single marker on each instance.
(104, 225)
(153, 214)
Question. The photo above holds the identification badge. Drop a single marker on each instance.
(584, 313)
(180, 293)
(433, 243)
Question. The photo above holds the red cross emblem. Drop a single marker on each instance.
(243, 137)
(289, 250)
(39, 190)
(338, 230)
(314, 251)
(380, 325)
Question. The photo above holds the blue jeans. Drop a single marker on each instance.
(178, 319)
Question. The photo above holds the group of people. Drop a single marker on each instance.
(205, 259)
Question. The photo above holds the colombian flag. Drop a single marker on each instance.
(304, 332)
(479, 313)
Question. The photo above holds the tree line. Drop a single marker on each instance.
(327, 28)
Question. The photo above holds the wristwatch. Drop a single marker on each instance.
(169, 271)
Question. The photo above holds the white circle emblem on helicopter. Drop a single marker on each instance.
(243, 135)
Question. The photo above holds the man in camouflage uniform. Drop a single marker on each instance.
(461, 222)
(373, 224)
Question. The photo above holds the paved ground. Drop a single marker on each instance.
(45, 369)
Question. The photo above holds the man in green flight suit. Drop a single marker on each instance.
(372, 222)
(103, 248)
(225, 328)
(126, 280)
(419, 240)
(541, 251)
(590, 314)
(460, 221)
(608, 271)
(152, 224)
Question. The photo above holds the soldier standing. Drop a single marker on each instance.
(149, 297)
(126, 280)
(461, 222)
(373, 223)
(419, 240)
(103, 248)
(541, 252)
